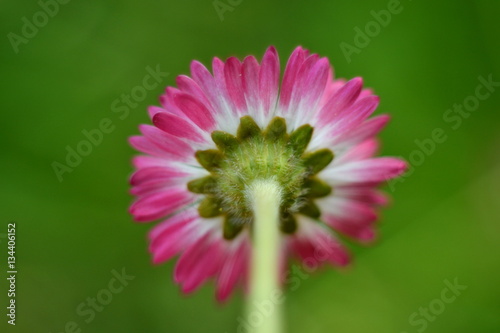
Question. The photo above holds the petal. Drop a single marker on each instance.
(206, 82)
(195, 110)
(364, 194)
(152, 110)
(374, 170)
(344, 208)
(316, 245)
(316, 79)
(220, 79)
(168, 143)
(361, 232)
(331, 87)
(155, 186)
(310, 91)
(189, 86)
(232, 270)
(167, 101)
(145, 145)
(350, 217)
(172, 236)
(155, 174)
(299, 86)
(269, 75)
(148, 161)
(353, 116)
(362, 151)
(199, 262)
(367, 129)
(289, 77)
(250, 81)
(340, 101)
(156, 205)
(234, 85)
(177, 126)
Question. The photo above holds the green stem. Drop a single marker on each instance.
(263, 311)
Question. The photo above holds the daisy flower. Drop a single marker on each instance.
(218, 135)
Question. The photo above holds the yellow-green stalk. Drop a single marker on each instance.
(265, 199)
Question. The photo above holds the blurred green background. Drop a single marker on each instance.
(71, 234)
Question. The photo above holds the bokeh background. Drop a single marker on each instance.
(443, 223)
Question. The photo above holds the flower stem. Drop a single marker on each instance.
(263, 310)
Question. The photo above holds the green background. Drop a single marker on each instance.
(442, 225)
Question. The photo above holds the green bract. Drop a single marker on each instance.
(260, 154)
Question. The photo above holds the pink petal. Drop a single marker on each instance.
(155, 186)
(367, 195)
(183, 218)
(155, 173)
(314, 84)
(361, 151)
(176, 126)
(367, 129)
(198, 263)
(148, 161)
(220, 80)
(250, 81)
(168, 143)
(190, 258)
(354, 115)
(168, 103)
(152, 110)
(302, 74)
(145, 145)
(340, 101)
(352, 210)
(330, 88)
(366, 92)
(172, 236)
(351, 217)
(153, 206)
(189, 86)
(206, 82)
(234, 86)
(195, 110)
(289, 77)
(335, 252)
(360, 231)
(269, 75)
(373, 170)
(232, 270)
(317, 246)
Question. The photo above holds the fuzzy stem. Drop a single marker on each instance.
(263, 312)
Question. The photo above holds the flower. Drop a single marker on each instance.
(216, 133)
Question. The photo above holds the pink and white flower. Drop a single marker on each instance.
(314, 132)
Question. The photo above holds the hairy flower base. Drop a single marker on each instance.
(255, 154)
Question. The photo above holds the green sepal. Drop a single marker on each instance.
(276, 130)
(231, 228)
(288, 223)
(205, 185)
(316, 188)
(209, 159)
(248, 128)
(225, 141)
(310, 209)
(299, 139)
(209, 207)
(318, 160)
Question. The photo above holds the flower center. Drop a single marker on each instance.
(255, 154)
